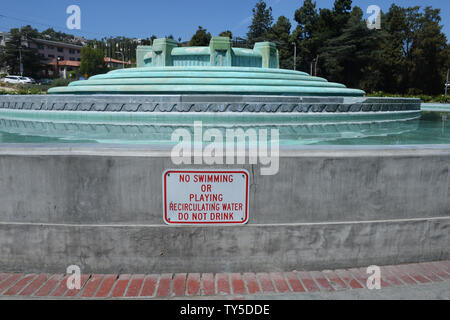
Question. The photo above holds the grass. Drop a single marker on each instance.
(8, 88)
(424, 98)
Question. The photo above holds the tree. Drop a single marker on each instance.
(261, 22)
(18, 46)
(280, 35)
(306, 33)
(92, 61)
(342, 6)
(414, 54)
(410, 54)
(391, 63)
(226, 33)
(341, 14)
(429, 53)
(200, 38)
(349, 57)
(307, 18)
(51, 34)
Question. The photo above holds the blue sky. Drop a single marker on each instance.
(142, 18)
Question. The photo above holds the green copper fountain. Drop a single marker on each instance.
(165, 68)
(218, 82)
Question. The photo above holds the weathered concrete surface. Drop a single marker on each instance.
(141, 249)
(124, 185)
(101, 208)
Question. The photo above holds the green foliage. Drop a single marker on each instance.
(409, 55)
(110, 46)
(414, 52)
(29, 91)
(349, 57)
(261, 22)
(428, 53)
(25, 89)
(16, 47)
(201, 38)
(423, 97)
(307, 18)
(60, 82)
(442, 99)
(72, 75)
(33, 88)
(92, 62)
(51, 34)
(280, 35)
(305, 34)
(226, 33)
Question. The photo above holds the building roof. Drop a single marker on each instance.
(57, 43)
(70, 63)
(108, 59)
(63, 63)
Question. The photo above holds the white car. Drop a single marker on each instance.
(18, 79)
(29, 80)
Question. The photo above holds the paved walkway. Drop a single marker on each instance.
(429, 277)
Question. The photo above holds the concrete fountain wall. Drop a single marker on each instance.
(101, 208)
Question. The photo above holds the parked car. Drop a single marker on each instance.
(12, 79)
(45, 81)
(29, 80)
(18, 80)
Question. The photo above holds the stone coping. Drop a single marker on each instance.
(207, 103)
(127, 150)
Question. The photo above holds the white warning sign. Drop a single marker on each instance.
(205, 196)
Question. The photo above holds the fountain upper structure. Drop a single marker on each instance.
(165, 68)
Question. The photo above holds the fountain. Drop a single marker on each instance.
(97, 200)
(214, 79)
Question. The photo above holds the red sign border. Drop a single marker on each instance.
(205, 171)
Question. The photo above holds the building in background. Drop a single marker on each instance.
(61, 58)
(3, 38)
(116, 64)
(66, 66)
(63, 67)
(53, 49)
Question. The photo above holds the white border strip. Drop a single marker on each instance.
(227, 226)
